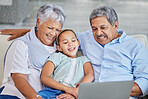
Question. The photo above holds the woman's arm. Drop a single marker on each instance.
(23, 86)
(16, 65)
(15, 33)
(46, 79)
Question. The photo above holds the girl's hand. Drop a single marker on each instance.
(72, 90)
(65, 96)
(77, 85)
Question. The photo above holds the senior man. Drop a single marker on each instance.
(114, 55)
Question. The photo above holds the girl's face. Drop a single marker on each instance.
(68, 44)
(48, 31)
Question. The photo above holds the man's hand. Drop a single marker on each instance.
(15, 33)
(136, 91)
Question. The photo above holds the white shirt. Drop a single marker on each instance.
(17, 61)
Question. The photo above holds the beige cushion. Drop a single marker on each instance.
(142, 38)
(3, 47)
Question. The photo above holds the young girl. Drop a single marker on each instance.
(64, 71)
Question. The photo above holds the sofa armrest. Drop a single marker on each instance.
(4, 44)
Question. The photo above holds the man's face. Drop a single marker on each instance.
(103, 31)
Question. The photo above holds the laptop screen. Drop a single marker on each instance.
(105, 90)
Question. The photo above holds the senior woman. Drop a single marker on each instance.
(26, 55)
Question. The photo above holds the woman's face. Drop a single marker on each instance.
(48, 31)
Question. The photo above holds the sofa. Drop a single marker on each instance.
(4, 44)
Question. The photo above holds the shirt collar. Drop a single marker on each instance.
(120, 39)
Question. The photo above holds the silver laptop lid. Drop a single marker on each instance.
(105, 90)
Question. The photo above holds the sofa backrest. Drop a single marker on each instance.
(143, 38)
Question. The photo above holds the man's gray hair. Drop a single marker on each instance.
(53, 11)
(108, 12)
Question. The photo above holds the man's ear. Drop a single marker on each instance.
(59, 48)
(38, 22)
(116, 24)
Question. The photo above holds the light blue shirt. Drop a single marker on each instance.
(124, 58)
(62, 67)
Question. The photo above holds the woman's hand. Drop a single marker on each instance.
(15, 33)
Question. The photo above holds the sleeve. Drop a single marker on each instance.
(85, 59)
(83, 37)
(17, 58)
(79, 38)
(140, 71)
(55, 58)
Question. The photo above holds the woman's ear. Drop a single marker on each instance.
(59, 48)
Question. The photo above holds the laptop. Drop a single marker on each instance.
(105, 90)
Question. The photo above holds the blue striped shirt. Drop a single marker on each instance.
(124, 58)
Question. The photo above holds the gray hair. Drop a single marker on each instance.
(55, 12)
(108, 12)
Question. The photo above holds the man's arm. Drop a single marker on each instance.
(140, 71)
(136, 91)
(15, 33)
